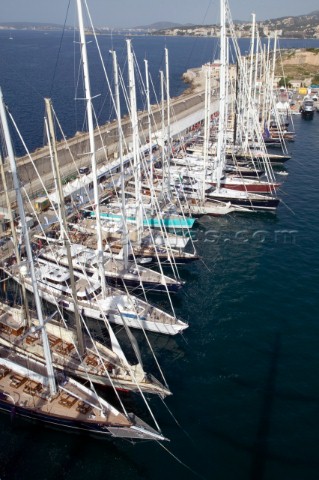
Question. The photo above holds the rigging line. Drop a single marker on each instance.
(184, 338)
(205, 265)
(147, 340)
(210, 4)
(129, 367)
(287, 206)
(5, 279)
(181, 462)
(195, 42)
(135, 380)
(59, 51)
(178, 424)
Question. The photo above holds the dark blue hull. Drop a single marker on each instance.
(178, 259)
(307, 114)
(136, 285)
(252, 203)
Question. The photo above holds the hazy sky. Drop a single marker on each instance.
(130, 13)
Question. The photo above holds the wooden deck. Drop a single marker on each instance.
(70, 402)
(99, 362)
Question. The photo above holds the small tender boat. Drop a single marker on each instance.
(307, 108)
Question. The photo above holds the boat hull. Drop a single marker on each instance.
(132, 320)
(250, 173)
(128, 280)
(96, 429)
(164, 258)
(171, 221)
(150, 286)
(307, 114)
(272, 158)
(266, 204)
(249, 187)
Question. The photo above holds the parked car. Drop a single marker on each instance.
(84, 170)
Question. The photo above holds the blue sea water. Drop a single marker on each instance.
(244, 376)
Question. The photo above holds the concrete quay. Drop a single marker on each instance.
(186, 110)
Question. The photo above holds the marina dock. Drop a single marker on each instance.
(188, 109)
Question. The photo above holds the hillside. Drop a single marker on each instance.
(302, 26)
(300, 64)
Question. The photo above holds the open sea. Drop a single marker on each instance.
(245, 375)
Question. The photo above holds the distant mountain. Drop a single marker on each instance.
(238, 22)
(301, 26)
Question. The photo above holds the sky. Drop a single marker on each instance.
(132, 13)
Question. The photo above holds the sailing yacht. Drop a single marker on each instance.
(252, 201)
(166, 218)
(25, 392)
(35, 391)
(54, 286)
(117, 274)
(105, 366)
(190, 174)
(77, 292)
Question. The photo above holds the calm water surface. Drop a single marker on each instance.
(245, 375)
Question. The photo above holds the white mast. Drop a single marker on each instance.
(89, 111)
(57, 176)
(257, 75)
(249, 94)
(265, 83)
(149, 113)
(168, 113)
(15, 241)
(222, 96)
(31, 270)
(125, 237)
(206, 127)
(135, 140)
(166, 187)
(272, 75)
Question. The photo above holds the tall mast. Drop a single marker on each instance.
(80, 342)
(249, 106)
(256, 74)
(206, 127)
(236, 104)
(168, 113)
(222, 96)
(252, 52)
(272, 75)
(165, 167)
(135, 139)
(265, 84)
(125, 238)
(149, 112)
(89, 111)
(25, 233)
(25, 305)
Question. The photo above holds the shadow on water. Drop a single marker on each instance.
(261, 452)
(260, 448)
(33, 452)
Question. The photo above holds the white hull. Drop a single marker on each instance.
(116, 308)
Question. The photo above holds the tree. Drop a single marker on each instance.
(284, 82)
